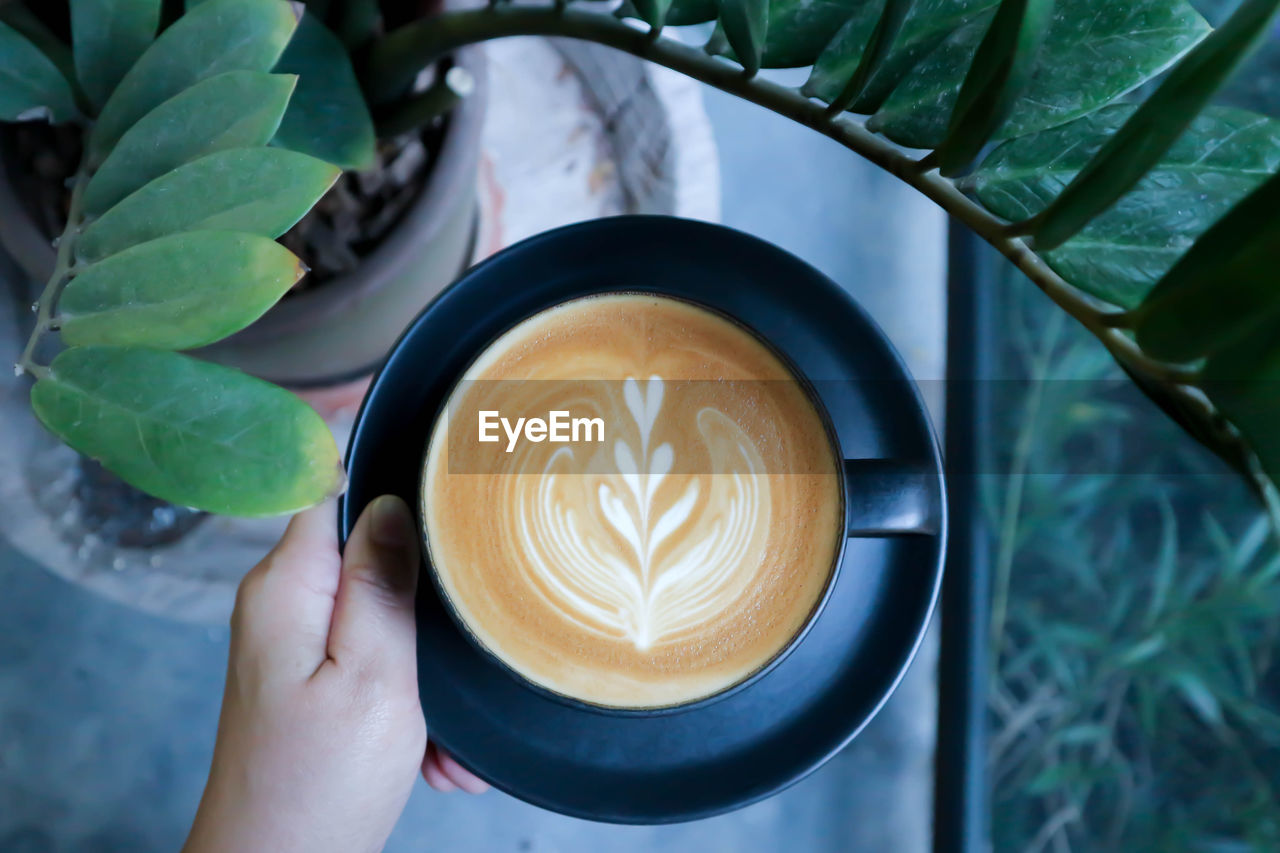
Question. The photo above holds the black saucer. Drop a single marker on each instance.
(757, 741)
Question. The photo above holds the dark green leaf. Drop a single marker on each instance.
(685, 12)
(215, 36)
(109, 36)
(1157, 124)
(1222, 288)
(255, 190)
(31, 86)
(328, 117)
(238, 109)
(746, 25)
(190, 432)
(858, 48)
(1243, 381)
(21, 19)
(652, 12)
(179, 292)
(1000, 72)
(357, 22)
(1093, 53)
(1223, 156)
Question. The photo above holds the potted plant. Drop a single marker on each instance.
(1151, 220)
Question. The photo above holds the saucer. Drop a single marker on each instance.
(713, 757)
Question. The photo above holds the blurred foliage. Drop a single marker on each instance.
(1136, 703)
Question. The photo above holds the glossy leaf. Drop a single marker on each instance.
(858, 48)
(328, 117)
(1093, 53)
(1156, 125)
(178, 292)
(746, 24)
(255, 190)
(238, 109)
(1119, 256)
(1221, 289)
(998, 76)
(31, 86)
(190, 432)
(108, 37)
(652, 12)
(1243, 381)
(213, 37)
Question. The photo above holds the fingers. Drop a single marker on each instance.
(373, 622)
(443, 773)
(285, 603)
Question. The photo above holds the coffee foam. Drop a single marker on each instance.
(663, 564)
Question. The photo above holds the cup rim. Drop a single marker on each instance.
(842, 540)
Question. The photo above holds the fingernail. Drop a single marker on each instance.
(392, 523)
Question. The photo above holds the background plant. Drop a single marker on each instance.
(1149, 220)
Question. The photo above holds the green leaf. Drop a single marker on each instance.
(746, 24)
(652, 12)
(1221, 289)
(31, 86)
(1157, 124)
(190, 432)
(858, 48)
(21, 19)
(109, 36)
(1198, 697)
(1093, 53)
(357, 22)
(1224, 155)
(1000, 72)
(238, 109)
(1243, 381)
(213, 37)
(328, 117)
(682, 13)
(254, 190)
(178, 292)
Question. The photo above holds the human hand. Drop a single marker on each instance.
(321, 732)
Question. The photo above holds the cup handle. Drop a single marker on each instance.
(891, 497)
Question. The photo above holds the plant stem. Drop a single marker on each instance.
(61, 272)
(395, 60)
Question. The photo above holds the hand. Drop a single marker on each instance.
(322, 733)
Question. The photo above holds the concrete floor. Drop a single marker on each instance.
(107, 715)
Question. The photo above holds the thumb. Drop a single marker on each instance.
(373, 622)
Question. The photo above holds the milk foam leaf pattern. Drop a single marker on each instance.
(327, 117)
(108, 37)
(746, 24)
(1000, 72)
(190, 432)
(214, 37)
(254, 190)
(31, 86)
(1120, 255)
(1093, 53)
(1223, 288)
(1140, 143)
(178, 292)
(238, 109)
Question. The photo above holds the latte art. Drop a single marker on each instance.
(659, 565)
(664, 563)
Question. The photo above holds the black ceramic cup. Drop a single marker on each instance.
(833, 675)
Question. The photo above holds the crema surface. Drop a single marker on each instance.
(662, 556)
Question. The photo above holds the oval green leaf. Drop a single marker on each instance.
(1000, 72)
(108, 36)
(190, 432)
(31, 86)
(328, 117)
(1157, 124)
(179, 292)
(1120, 255)
(238, 109)
(1221, 289)
(254, 190)
(746, 24)
(856, 50)
(213, 37)
(1094, 52)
